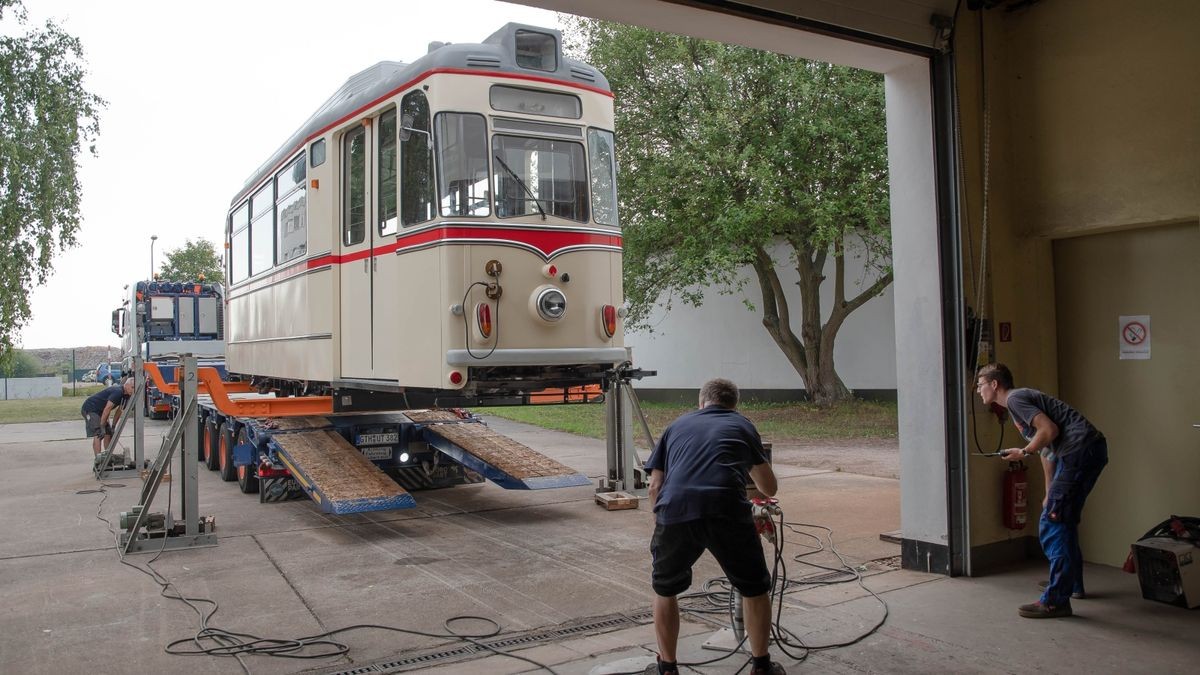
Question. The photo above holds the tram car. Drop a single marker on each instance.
(443, 232)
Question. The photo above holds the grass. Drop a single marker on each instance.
(775, 421)
(47, 409)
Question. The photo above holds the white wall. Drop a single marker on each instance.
(722, 338)
(30, 387)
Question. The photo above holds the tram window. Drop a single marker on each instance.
(416, 160)
(538, 51)
(239, 256)
(317, 152)
(539, 175)
(262, 201)
(292, 212)
(239, 249)
(462, 151)
(603, 165)
(262, 243)
(534, 102)
(354, 178)
(386, 188)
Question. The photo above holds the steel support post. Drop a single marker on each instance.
(624, 472)
(139, 414)
(189, 499)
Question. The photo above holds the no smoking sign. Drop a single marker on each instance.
(1134, 337)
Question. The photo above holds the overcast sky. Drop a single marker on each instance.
(199, 95)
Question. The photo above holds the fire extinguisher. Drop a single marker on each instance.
(1016, 491)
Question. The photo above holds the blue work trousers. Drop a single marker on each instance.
(1058, 529)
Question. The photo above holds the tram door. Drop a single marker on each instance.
(357, 261)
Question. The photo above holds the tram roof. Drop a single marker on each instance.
(495, 54)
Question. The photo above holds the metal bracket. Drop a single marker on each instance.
(194, 531)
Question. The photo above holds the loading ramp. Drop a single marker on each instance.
(505, 462)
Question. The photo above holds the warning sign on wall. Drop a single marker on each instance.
(1134, 337)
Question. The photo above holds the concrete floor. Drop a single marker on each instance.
(529, 560)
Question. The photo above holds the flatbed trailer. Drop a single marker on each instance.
(355, 462)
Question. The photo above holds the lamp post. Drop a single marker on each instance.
(153, 238)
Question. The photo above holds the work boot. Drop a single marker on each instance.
(1036, 610)
(1075, 595)
(775, 669)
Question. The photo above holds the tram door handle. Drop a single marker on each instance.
(366, 262)
(374, 264)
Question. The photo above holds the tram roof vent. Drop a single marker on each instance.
(585, 74)
(483, 61)
(436, 45)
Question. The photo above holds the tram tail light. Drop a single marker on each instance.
(483, 319)
(456, 377)
(549, 271)
(608, 320)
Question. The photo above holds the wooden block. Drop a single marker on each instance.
(145, 475)
(615, 501)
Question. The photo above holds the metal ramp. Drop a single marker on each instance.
(338, 477)
(500, 459)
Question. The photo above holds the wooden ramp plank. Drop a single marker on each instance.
(500, 459)
(337, 476)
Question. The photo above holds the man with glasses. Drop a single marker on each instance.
(1073, 454)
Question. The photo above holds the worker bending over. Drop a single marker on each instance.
(99, 407)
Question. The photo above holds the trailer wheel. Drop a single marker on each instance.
(225, 458)
(212, 452)
(246, 476)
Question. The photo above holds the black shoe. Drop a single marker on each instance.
(1036, 610)
(652, 669)
(1075, 595)
(775, 669)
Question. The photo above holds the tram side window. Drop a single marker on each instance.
(539, 175)
(462, 154)
(239, 247)
(386, 188)
(290, 206)
(604, 176)
(354, 187)
(262, 230)
(416, 160)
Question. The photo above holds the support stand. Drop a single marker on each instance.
(733, 638)
(146, 531)
(625, 473)
(111, 465)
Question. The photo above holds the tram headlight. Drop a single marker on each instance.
(550, 303)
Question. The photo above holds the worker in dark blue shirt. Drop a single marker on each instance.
(1073, 453)
(698, 476)
(99, 407)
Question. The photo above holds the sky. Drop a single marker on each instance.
(199, 95)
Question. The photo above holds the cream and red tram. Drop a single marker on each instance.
(440, 232)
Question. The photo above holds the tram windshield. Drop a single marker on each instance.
(539, 177)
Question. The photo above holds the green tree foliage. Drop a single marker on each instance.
(21, 364)
(191, 260)
(46, 115)
(728, 155)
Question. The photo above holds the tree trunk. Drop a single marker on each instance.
(811, 354)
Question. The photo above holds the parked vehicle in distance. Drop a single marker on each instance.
(108, 373)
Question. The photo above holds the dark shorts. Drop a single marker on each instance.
(93, 427)
(733, 542)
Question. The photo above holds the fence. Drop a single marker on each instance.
(30, 387)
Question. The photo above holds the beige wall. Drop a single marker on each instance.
(1095, 127)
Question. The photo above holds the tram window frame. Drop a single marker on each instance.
(612, 173)
(239, 230)
(284, 199)
(387, 221)
(579, 201)
(316, 153)
(462, 185)
(530, 101)
(262, 221)
(418, 197)
(349, 229)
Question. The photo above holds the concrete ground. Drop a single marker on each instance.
(567, 582)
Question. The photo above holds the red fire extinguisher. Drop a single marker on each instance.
(1016, 491)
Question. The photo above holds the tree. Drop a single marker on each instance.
(191, 260)
(46, 114)
(728, 154)
(21, 364)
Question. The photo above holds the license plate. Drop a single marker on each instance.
(377, 453)
(378, 439)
